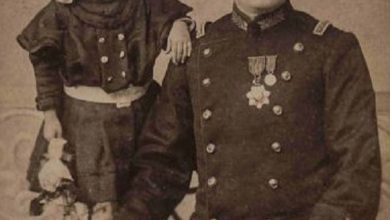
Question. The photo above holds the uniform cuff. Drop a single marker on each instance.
(48, 103)
(189, 22)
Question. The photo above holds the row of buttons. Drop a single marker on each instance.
(105, 59)
(273, 183)
(120, 37)
(277, 109)
(298, 47)
(286, 75)
(276, 146)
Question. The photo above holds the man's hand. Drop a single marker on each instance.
(179, 42)
(52, 126)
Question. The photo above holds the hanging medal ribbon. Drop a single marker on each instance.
(258, 95)
(270, 79)
(256, 68)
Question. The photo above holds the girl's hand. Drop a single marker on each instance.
(179, 42)
(52, 126)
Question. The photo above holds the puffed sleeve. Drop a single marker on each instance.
(165, 159)
(162, 15)
(42, 38)
(351, 136)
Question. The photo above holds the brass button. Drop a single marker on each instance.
(278, 110)
(207, 52)
(109, 79)
(104, 59)
(122, 54)
(286, 76)
(273, 183)
(101, 40)
(276, 147)
(212, 181)
(211, 148)
(206, 82)
(121, 36)
(123, 73)
(299, 47)
(207, 114)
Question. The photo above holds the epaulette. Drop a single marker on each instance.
(321, 28)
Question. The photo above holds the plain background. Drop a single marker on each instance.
(369, 20)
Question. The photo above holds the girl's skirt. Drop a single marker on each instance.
(102, 140)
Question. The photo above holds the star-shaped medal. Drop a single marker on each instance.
(258, 96)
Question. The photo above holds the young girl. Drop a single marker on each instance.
(93, 62)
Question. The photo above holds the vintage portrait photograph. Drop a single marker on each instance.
(194, 110)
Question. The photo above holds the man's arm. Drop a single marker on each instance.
(165, 158)
(351, 136)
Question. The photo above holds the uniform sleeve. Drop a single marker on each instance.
(165, 159)
(163, 13)
(42, 39)
(351, 136)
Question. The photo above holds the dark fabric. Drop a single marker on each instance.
(102, 139)
(329, 163)
(66, 47)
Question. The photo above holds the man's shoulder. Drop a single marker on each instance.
(323, 32)
(218, 29)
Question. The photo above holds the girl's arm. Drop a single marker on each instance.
(179, 41)
(170, 22)
(42, 40)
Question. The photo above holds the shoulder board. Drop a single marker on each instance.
(321, 28)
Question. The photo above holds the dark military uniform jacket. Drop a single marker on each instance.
(277, 116)
(105, 43)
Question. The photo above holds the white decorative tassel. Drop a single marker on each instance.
(54, 170)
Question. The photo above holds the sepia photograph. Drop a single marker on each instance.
(194, 110)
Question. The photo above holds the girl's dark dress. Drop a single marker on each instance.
(111, 44)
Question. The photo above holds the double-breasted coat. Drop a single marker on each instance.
(276, 115)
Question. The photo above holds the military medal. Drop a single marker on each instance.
(270, 79)
(258, 95)
(256, 68)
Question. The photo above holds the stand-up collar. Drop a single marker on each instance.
(263, 21)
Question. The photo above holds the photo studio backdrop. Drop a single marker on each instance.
(19, 121)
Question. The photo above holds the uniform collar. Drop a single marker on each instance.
(261, 22)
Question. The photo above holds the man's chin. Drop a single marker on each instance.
(261, 5)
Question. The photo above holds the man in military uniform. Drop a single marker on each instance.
(276, 112)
